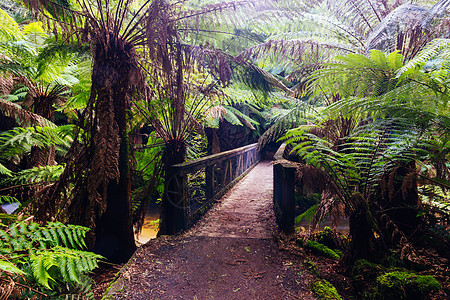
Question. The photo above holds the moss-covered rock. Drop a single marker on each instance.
(321, 249)
(324, 290)
(405, 285)
(326, 237)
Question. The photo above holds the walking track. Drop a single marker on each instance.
(229, 254)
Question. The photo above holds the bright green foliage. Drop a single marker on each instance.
(405, 115)
(292, 114)
(321, 249)
(356, 75)
(49, 255)
(329, 238)
(324, 290)
(307, 215)
(405, 285)
(19, 141)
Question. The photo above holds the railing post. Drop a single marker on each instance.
(288, 199)
(277, 191)
(283, 191)
(176, 201)
(209, 182)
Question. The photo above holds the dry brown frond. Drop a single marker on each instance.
(409, 183)
(391, 182)
(6, 85)
(22, 116)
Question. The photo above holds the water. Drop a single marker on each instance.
(150, 227)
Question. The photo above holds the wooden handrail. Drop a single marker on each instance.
(209, 160)
(215, 175)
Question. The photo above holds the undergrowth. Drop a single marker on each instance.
(44, 261)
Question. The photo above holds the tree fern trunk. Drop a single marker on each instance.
(43, 106)
(114, 229)
(362, 229)
(109, 178)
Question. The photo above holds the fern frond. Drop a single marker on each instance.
(9, 267)
(35, 175)
(41, 263)
(285, 119)
(19, 141)
(437, 48)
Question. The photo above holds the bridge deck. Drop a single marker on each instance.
(245, 210)
(229, 254)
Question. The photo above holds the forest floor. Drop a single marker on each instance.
(232, 253)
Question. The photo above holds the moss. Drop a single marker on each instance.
(426, 284)
(324, 290)
(331, 238)
(321, 249)
(307, 215)
(405, 285)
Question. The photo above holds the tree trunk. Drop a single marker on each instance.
(43, 106)
(362, 229)
(109, 177)
(401, 200)
(114, 229)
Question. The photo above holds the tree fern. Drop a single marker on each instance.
(297, 112)
(48, 255)
(22, 116)
(436, 49)
(35, 175)
(20, 141)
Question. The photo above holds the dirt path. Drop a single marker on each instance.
(229, 254)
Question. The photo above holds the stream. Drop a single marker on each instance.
(150, 227)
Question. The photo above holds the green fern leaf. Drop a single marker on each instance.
(72, 270)
(62, 236)
(4, 236)
(69, 235)
(39, 266)
(7, 266)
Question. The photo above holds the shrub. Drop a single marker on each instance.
(324, 290)
(321, 249)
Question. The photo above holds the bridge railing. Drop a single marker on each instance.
(197, 184)
(283, 191)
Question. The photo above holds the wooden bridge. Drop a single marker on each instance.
(194, 186)
(230, 253)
